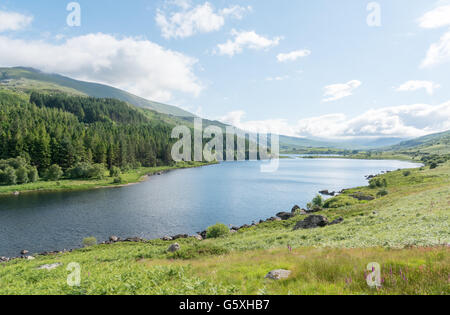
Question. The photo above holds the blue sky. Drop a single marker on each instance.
(235, 60)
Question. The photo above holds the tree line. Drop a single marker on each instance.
(67, 131)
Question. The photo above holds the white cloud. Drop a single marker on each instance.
(135, 65)
(414, 85)
(279, 126)
(184, 4)
(12, 21)
(438, 52)
(199, 19)
(249, 40)
(294, 55)
(337, 91)
(278, 78)
(436, 18)
(236, 11)
(399, 121)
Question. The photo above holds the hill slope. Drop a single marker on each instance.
(436, 143)
(27, 79)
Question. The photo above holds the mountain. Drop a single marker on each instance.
(28, 79)
(292, 144)
(438, 143)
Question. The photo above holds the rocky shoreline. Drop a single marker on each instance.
(311, 221)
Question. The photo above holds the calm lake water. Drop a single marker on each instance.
(181, 201)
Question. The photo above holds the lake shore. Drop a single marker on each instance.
(160, 171)
(128, 178)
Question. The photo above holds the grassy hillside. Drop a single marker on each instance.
(432, 144)
(304, 146)
(27, 80)
(406, 232)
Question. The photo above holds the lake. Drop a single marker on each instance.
(181, 201)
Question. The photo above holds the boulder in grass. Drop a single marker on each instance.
(198, 237)
(174, 248)
(295, 208)
(337, 221)
(312, 222)
(285, 215)
(278, 274)
(113, 239)
(362, 197)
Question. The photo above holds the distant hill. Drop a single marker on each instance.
(28, 79)
(289, 144)
(438, 143)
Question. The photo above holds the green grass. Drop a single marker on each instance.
(28, 86)
(130, 177)
(407, 232)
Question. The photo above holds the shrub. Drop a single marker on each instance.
(85, 170)
(382, 193)
(33, 175)
(17, 162)
(378, 182)
(79, 171)
(118, 180)
(433, 165)
(54, 173)
(318, 201)
(22, 175)
(97, 171)
(17, 171)
(89, 241)
(217, 230)
(9, 176)
(114, 172)
(406, 173)
(316, 204)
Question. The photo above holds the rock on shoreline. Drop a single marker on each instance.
(308, 223)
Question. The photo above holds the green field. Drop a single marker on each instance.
(407, 232)
(129, 177)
